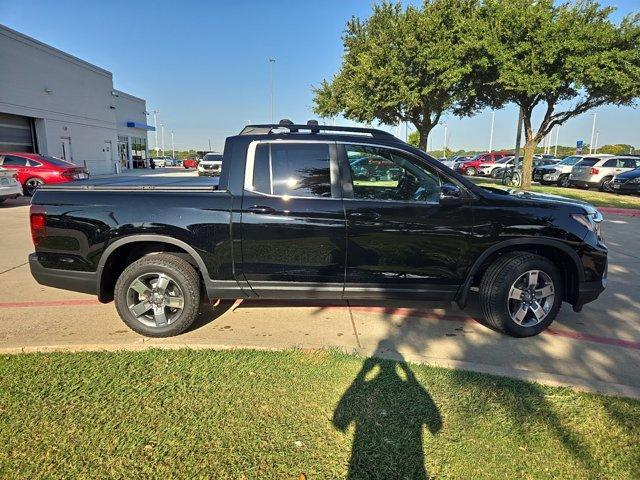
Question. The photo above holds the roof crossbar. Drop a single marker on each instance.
(312, 127)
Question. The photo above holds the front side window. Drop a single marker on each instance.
(292, 169)
(379, 173)
(11, 161)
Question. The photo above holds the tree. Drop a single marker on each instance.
(408, 65)
(617, 149)
(564, 58)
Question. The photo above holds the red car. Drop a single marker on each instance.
(34, 170)
(189, 163)
(471, 167)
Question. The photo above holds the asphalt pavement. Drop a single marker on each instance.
(597, 349)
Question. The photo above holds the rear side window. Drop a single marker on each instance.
(292, 169)
(588, 162)
(611, 163)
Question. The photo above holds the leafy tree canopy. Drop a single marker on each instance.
(407, 65)
(564, 58)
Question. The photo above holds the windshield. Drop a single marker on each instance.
(212, 157)
(570, 161)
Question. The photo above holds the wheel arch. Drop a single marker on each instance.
(124, 251)
(562, 255)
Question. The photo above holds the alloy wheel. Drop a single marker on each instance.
(32, 185)
(531, 298)
(155, 299)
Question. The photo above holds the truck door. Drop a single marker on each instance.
(401, 240)
(293, 223)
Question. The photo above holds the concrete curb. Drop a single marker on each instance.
(550, 379)
(624, 212)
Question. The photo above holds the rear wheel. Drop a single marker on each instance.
(521, 294)
(563, 181)
(605, 184)
(158, 295)
(31, 185)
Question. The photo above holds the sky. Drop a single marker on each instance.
(205, 65)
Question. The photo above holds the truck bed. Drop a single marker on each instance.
(151, 182)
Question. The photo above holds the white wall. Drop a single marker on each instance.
(68, 98)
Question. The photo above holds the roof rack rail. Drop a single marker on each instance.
(312, 126)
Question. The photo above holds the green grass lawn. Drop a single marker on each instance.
(595, 197)
(248, 414)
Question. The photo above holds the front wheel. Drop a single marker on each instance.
(158, 295)
(521, 294)
(563, 181)
(470, 171)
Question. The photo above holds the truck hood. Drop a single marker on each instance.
(138, 182)
(547, 198)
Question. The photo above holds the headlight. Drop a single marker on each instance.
(591, 221)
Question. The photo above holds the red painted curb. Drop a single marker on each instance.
(59, 303)
(625, 212)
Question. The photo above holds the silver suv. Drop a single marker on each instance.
(598, 170)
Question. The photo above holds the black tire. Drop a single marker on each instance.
(181, 272)
(470, 171)
(496, 284)
(31, 185)
(563, 181)
(603, 184)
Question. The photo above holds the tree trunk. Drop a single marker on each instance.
(527, 163)
(424, 136)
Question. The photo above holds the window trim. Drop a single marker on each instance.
(333, 169)
(347, 181)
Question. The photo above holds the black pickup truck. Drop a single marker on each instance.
(296, 213)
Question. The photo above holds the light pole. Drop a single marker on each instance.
(593, 130)
(162, 138)
(493, 119)
(271, 62)
(595, 145)
(555, 150)
(444, 148)
(155, 125)
(209, 144)
(173, 148)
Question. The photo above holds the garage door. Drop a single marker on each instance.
(16, 133)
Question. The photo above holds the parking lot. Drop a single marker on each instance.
(597, 349)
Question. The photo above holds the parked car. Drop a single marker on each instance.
(557, 173)
(287, 220)
(36, 170)
(493, 169)
(210, 165)
(471, 167)
(9, 185)
(596, 171)
(512, 173)
(190, 163)
(627, 182)
(161, 162)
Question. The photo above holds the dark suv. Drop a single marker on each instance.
(307, 212)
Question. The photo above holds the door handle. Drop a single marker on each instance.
(365, 215)
(261, 209)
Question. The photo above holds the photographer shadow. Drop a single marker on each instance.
(388, 409)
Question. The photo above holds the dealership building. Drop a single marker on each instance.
(53, 103)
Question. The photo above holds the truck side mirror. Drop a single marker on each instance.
(450, 195)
